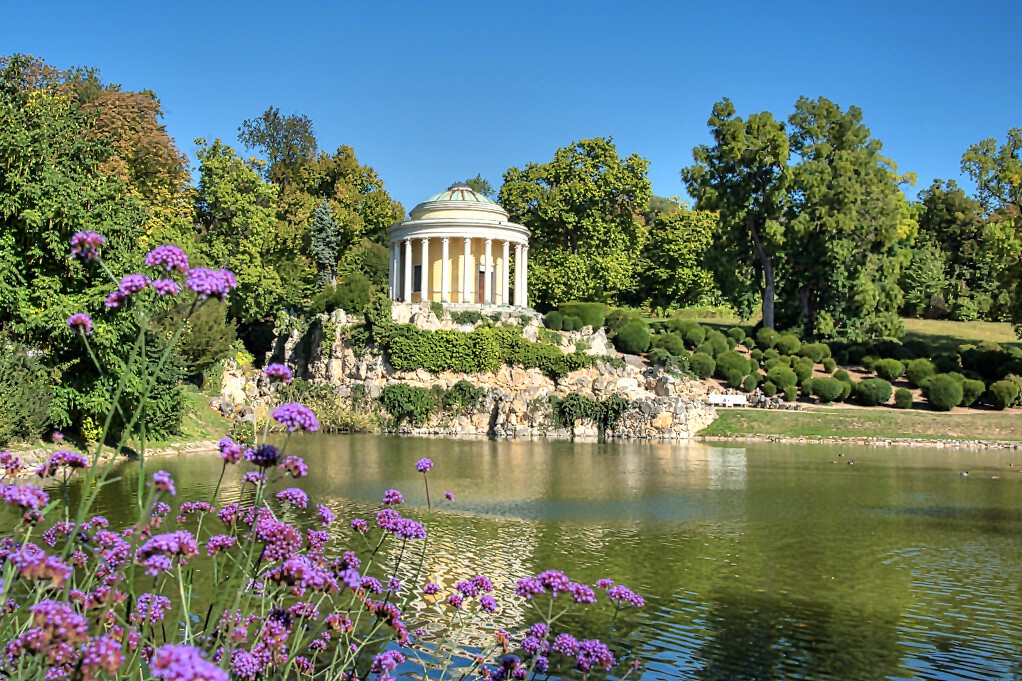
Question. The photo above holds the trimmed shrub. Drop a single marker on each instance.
(749, 343)
(572, 323)
(766, 338)
(803, 368)
(718, 341)
(1002, 394)
(770, 353)
(918, 370)
(733, 378)
(617, 317)
(873, 392)
(409, 403)
(846, 389)
(943, 391)
(554, 321)
(788, 344)
(737, 333)
(782, 377)
(673, 343)
(889, 369)
(702, 365)
(815, 351)
(756, 354)
(633, 337)
(829, 365)
(706, 347)
(790, 393)
(828, 389)
(946, 363)
(769, 389)
(843, 375)
(903, 398)
(693, 332)
(749, 383)
(732, 361)
(806, 386)
(971, 391)
(868, 361)
(591, 314)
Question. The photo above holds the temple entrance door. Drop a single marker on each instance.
(481, 288)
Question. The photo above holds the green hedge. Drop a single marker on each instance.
(903, 398)
(766, 338)
(918, 370)
(633, 337)
(972, 390)
(702, 365)
(944, 391)
(1002, 394)
(828, 389)
(591, 314)
(782, 377)
(554, 321)
(873, 392)
(889, 369)
(788, 344)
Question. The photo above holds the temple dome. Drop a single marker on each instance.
(459, 201)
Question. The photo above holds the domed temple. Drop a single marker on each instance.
(456, 248)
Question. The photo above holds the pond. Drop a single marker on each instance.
(758, 562)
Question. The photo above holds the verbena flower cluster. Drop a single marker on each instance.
(268, 586)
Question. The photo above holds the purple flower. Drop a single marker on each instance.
(593, 653)
(394, 584)
(294, 466)
(392, 498)
(621, 595)
(326, 516)
(62, 459)
(455, 600)
(359, 525)
(582, 593)
(449, 496)
(169, 257)
(254, 478)
(102, 653)
(166, 287)
(85, 245)
(220, 542)
(11, 463)
(488, 603)
(184, 663)
(387, 661)
(371, 585)
(115, 299)
(295, 416)
(133, 283)
(566, 645)
(150, 608)
(431, 588)
(230, 451)
(263, 456)
(27, 497)
(278, 373)
(162, 482)
(81, 323)
(604, 583)
(423, 465)
(294, 496)
(211, 283)
(157, 552)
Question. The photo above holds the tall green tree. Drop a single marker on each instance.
(997, 171)
(584, 208)
(326, 244)
(481, 186)
(845, 220)
(743, 177)
(287, 142)
(238, 216)
(673, 271)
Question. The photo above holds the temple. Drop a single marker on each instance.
(459, 248)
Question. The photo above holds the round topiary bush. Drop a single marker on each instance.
(749, 383)
(829, 365)
(718, 341)
(846, 390)
(572, 323)
(828, 389)
(769, 389)
(889, 369)
(756, 354)
(782, 377)
(788, 344)
(971, 391)
(733, 378)
(749, 343)
(803, 368)
(873, 392)
(867, 362)
(706, 348)
(806, 386)
(732, 361)
(903, 398)
(554, 321)
(616, 318)
(737, 333)
(770, 353)
(815, 351)
(766, 338)
(702, 365)
(673, 343)
(633, 337)
(790, 393)
(943, 391)
(1002, 394)
(693, 332)
(918, 370)
(590, 314)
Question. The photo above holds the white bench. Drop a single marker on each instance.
(729, 400)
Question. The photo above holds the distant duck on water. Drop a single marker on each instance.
(964, 474)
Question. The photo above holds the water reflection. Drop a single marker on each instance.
(765, 562)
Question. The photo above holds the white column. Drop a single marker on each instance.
(488, 273)
(445, 286)
(525, 277)
(518, 275)
(391, 288)
(466, 272)
(408, 271)
(424, 292)
(505, 275)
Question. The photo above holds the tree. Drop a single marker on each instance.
(326, 243)
(288, 142)
(743, 178)
(584, 208)
(481, 186)
(845, 219)
(924, 279)
(673, 270)
(997, 172)
(241, 231)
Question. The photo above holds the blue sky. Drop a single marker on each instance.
(429, 93)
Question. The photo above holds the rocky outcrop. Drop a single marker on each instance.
(516, 402)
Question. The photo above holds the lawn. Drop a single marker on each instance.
(883, 422)
(946, 336)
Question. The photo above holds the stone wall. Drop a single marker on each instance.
(516, 401)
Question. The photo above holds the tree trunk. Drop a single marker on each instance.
(768, 275)
(805, 303)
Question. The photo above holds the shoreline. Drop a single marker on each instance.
(864, 441)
